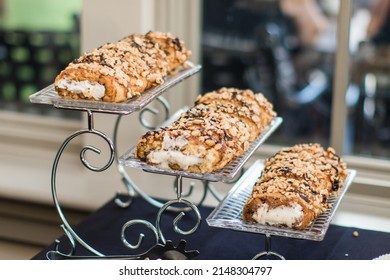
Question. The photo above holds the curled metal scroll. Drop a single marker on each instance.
(72, 235)
(157, 230)
(141, 236)
(155, 112)
(178, 218)
(71, 240)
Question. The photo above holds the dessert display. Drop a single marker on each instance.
(211, 134)
(116, 72)
(297, 184)
(294, 186)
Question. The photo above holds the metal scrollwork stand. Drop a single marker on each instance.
(69, 231)
(161, 244)
(163, 248)
(159, 236)
(49, 96)
(71, 234)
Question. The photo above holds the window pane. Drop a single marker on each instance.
(37, 40)
(284, 49)
(369, 91)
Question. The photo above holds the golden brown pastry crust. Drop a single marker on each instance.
(258, 105)
(304, 174)
(215, 131)
(126, 68)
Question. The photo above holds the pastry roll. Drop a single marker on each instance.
(120, 71)
(211, 134)
(256, 105)
(196, 146)
(294, 186)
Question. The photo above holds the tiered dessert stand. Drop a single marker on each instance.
(49, 96)
(226, 215)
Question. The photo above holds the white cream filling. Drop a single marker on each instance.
(171, 154)
(87, 88)
(283, 215)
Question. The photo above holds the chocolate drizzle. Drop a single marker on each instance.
(304, 174)
(301, 195)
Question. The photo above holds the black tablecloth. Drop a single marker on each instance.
(102, 230)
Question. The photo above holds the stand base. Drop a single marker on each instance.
(268, 254)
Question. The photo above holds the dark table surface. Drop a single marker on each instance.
(102, 230)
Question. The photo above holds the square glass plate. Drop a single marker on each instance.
(49, 95)
(226, 174)
(228, 213)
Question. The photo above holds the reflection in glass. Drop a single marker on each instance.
(284, 49)
(370, 81)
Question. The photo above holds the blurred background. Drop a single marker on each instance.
(286, 49)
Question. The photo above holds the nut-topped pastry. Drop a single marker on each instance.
(120, 71)
(295, 185)
(211, 134)
(258, 107)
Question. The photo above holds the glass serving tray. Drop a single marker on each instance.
(228, 213)
(226, 174)
(49, 95)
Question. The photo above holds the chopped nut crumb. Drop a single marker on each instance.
(216, 130)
